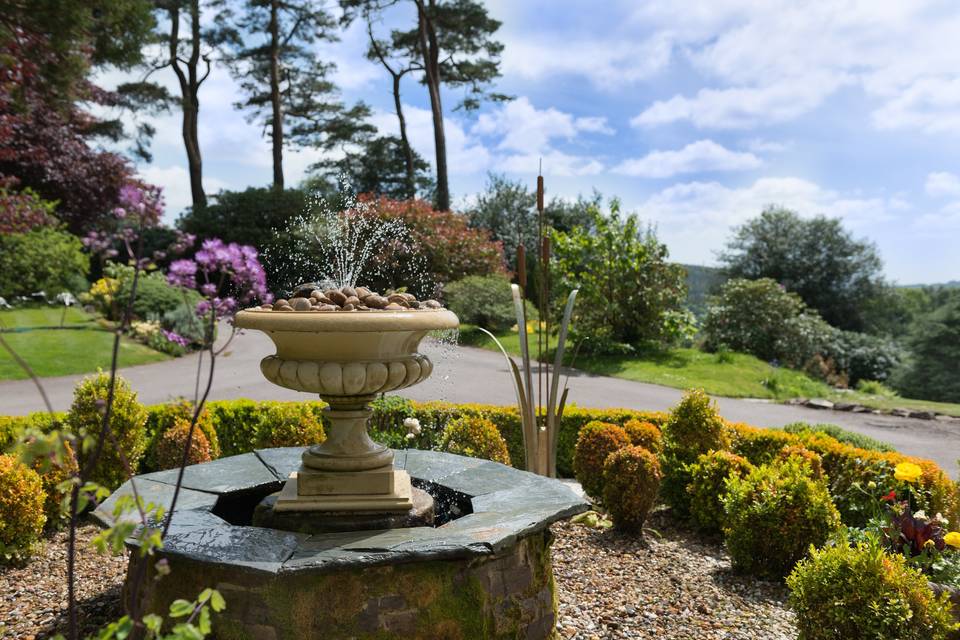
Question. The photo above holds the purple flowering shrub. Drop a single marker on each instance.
(229, 276)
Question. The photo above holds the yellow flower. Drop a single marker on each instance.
(953, 539)
(907, 472)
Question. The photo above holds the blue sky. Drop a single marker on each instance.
(696, 114)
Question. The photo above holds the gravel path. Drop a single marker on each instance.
(673, 584)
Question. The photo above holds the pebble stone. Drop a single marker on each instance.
(308, 297)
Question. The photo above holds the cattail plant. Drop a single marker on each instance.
(541, 406)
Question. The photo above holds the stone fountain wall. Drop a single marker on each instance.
(506, 595)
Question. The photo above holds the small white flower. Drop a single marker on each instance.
(412, 425)
(409, 436)
(920, 515)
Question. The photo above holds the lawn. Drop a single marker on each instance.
(82, 346)
(733, 375)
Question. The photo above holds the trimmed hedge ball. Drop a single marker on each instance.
(631, 481)
(708, 485)
(596, 441)
(475, 437)
(172, 443)
(21, 508)
(644, 434)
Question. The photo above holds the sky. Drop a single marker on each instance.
(695, 114)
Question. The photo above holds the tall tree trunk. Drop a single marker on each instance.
(431, 64)
(191, 114)
(404, 141)
(276, 133)
(189, 97)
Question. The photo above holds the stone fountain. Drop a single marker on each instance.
(347, 538)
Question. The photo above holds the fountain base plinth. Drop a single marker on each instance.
(351, 491)
(267, 515)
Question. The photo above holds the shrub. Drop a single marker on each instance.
(860, 356)
(53, 471)
(627, 285)
(762, 318)
(127, 424)
(759, 446)
(173, 441)
(842, 592)
(694, 428)
(773, 514)
(803, 430)
(288, 424)
(631, 480)
(476, 438)
(155, 296)
(596, 441)
(708, 478)
(644, 434)
(161, 418)
(41, 260)
(485, 301)
(809, 459)
(21, 508)
(23, 210)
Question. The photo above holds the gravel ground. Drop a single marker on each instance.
(671, 584)
(33, 597)
(675, 585)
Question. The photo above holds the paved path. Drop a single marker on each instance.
(466, 374)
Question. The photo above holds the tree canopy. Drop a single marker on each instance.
(833, 272)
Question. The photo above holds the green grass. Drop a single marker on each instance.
(734, 375)
(82, 347)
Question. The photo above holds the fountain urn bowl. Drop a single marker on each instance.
(347, 358)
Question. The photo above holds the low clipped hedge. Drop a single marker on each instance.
(849, 469)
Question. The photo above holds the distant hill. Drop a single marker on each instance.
(953, 284)
(702, 282)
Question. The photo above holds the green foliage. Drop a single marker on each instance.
(809, 459)
(508, 210)
(627, 286)
(860, 591)
(596, 441)
(258, 217)
(773, 515)
(485, 301)
(21, 509)
(476, 438)
(815, 258)
(155, 297)
(631, 478)
(127, 425)
(933, 371)
(41, 260)
(288, 424)
(162, 417)
(760, 446)
(837, 433)
(377, 167)
(197, 620)
(172, 443)
(859, 356)
(760, 317)
(708, 486)
(694, 428)
(644, 434)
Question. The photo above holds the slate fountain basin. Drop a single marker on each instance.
(484, 572)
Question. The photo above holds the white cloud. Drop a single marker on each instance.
(175, 182)
(942, 183)
(699, 156)
(555, 163)
(694, 216)
(741, 107)
(523, 127)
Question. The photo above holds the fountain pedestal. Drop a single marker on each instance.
(347, 358)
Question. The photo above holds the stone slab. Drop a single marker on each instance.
(435, 466)
(155, 492)
(249, 547)
(488, 477)
(282, 461)
(244, 472)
